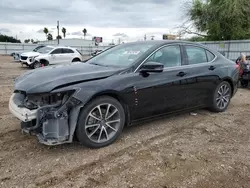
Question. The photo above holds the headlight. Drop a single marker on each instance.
(32, 58)
(39, 100)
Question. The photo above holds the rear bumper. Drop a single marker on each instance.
(23, 114)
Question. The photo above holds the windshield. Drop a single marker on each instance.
(44, 50)
(37, 48)
(121, 56)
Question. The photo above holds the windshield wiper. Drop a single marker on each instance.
(99, 64)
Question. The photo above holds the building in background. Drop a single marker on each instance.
(69, 42)
(169, 37)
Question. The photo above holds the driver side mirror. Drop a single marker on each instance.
(152, 67)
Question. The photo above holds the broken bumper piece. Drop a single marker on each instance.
(23, 114)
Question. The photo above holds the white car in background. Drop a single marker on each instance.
(51, 55)
(17, 55)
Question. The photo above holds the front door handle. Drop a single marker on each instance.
(181, 74)
(211, 68)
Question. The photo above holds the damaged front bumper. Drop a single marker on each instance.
(21, 113)
(52, 124)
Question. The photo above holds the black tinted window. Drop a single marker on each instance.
(57, 51)
(196, 55)
(67, 51)
(169, 56)
(210, 56)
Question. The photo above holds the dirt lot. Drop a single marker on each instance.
(204, 151)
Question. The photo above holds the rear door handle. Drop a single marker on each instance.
(211, 68)
(181, 74)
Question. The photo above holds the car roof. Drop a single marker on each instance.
(64, 47)
(162, 42)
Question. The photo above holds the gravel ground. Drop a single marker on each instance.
(206, 150)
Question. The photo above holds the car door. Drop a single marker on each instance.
(160, 93)
(68, 55)
(56, 56)
(201, 75)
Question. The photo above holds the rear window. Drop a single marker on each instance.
(196, 55)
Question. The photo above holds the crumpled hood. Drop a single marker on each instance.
(45, 79)
(30, 54)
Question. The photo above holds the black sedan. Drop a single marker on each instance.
(93, 101)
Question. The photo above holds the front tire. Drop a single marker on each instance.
(37, 65)
(221, 97)
(100, 122)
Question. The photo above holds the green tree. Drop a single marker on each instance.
(46, 31)
(84, 32)
(26, 40)
(64, 32)
(220, 19)
(50, 36)
(32, 41)
(5, 38)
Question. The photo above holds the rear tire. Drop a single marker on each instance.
(221, 97)
(96, 130)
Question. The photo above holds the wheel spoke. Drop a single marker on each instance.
(112, 114)
(94, 131)
(226, 91)
(113, 121)
(218, 103)
(91, 115)
(100, 134)
(93, 125)
(106, 133)
(107, 111)
(225, 99)
(109, 126)
(219, 92)
(100, 111)
(223, 103)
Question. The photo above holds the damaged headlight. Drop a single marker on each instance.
(39, 100)
(32, 59)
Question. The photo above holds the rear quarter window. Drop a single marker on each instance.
(210, 56)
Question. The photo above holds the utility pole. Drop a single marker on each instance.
(145, 37)
(58, 32)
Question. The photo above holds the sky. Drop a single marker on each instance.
(128, 20)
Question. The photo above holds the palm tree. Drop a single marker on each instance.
(50, 37)
(46, 31)
(64, 32)
(84, 32)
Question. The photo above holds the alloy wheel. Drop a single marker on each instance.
(223, 96)
(102, 123)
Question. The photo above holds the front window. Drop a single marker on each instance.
(44, 50)
(121, 56)
(169, 56)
